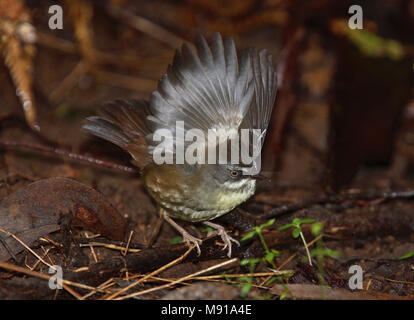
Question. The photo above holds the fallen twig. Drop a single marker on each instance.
(190, 276)
(67, 154)
(315, 292)
(337, 199)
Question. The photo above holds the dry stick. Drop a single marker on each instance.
(45, 253)
(179, 280)
(235, 275)
(112, 244)
(258, 274)
(40, 275)
(228, 281)
(206, 279)
(377, 277)
(158, 279)
(108, 283)
(72, 292)
(92, 249)
(336, 199)
(179, 259)
(128, 243)
(109, 246)
(27, 247)
(67, 154)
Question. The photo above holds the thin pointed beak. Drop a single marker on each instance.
(259, 177)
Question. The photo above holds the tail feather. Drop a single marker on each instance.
(123, 123)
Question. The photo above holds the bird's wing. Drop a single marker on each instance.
(265, 87)
(212, 89)
(123, 123)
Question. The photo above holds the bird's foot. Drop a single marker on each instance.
(187, 238)
(224, 236)
(191, 240)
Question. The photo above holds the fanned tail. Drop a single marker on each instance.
(123, 123)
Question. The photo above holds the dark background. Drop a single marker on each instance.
(343, 120)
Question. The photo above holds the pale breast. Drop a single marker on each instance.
(185, 198)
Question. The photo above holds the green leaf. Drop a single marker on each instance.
(286, 226)
(251, 261)
(269, 223)
(244, 262)
(373, 45)
(317, 228)
(395, 49)
(325, 252)
(249, 235)
(407, 255)
(307, 221)
(277, 253)
(271, 280)
(207, 229)
(296, 233)
(269, 257)
(176, 240)
(246, 289)
(332, 253)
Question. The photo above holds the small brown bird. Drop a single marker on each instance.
(211, 90)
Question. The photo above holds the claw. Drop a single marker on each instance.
(190, 240)
(224, 236)
(187, 238)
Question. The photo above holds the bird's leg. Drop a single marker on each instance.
(224, 236)
(188, 238)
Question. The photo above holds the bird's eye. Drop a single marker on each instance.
(234, 173)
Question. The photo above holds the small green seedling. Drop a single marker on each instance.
(270, 254)
(258, 229)
(321, 252)
(249, 279)
(280, 278)
(297, 232)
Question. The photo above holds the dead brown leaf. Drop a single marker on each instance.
(38, 209)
